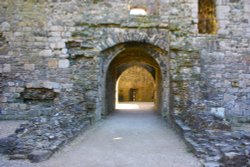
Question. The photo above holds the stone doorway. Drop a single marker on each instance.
(136, 84)
(116, 60)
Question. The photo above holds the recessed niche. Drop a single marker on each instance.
(235, 84)
(38, 94)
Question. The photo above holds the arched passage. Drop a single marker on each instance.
(115, 60)
(136, 84)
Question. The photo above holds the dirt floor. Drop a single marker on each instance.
(128, 138)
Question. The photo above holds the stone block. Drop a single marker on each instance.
(56, 28)
(60, 45)
(39, 155)
(51, 85)
(63, 63)
(53, 63)
(57, 90)
(23, 106)
(55, 34)
(34, 85)
(64, 51)
(229, 97)
(65, 56)
(12, 89)
(17, 34)
(17, 157)
(46, 53)
(47, 85)
(247, 8)
(65, 86)
(3, 99)
(7, 144)
(19, 89)
(5, 26)
(7, 68)
(222, 12)
(212, 164)
(11, 83)
(219, 112)
(185, 70)
(29, 67)
(52, 45)
(234, 159)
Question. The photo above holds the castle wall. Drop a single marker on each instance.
(225, 64)
(53, 48)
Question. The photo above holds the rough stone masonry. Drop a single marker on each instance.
(59, 59)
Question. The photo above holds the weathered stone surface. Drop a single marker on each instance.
(212, 164)
(7, 68)
(38, 94)
(235, 159)
(5, 26)
(204, 120)
(204, 75)
(17, 157)
(53, 63)
(63, 63)
(46, 53)
(217, 147)
(29, 67)
(38, 139)
(220, 60)
(38, 156)
(7, 144)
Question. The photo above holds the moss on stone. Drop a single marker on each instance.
(80, 33)
(97, 1)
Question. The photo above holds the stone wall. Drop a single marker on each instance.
(55, 57)
(56, 46)
(225, 66)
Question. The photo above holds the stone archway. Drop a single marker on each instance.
(135, 83)
(120, 57)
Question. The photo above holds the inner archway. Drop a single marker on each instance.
(138, 56)
(135, 84)
(135, 88)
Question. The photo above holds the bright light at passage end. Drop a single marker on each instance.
(138, 11)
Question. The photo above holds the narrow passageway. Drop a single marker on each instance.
(127, 138)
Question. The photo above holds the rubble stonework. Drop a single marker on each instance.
(213, 141)
(55, 55)
(38, 139)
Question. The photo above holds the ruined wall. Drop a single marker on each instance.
(224, 64)
(36, 63)
(53, 48)
(54, 55)
(225, 60)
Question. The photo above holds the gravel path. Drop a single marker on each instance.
(135, 138)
